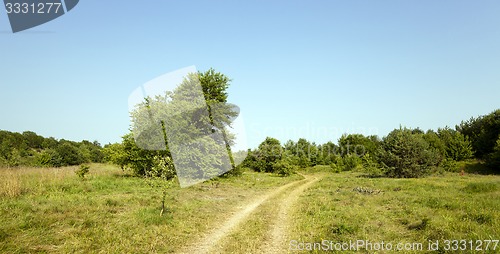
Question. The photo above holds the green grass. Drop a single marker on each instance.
(348, 206)
(53, 210)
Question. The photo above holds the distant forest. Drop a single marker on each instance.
(402, 153)
(31, 149)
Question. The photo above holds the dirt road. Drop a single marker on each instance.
(280, 223)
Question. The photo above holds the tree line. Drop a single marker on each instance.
(31, 149)
(404, 152)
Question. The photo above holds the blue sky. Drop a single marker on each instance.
(313, 69)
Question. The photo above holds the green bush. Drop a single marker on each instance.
(163, 168)
(457, 146)
(283, 168)
(70, 154)
(335, 168)
(351, 162)
(493, 159)
(370, 165)
(450, 165)
(48, 158)
(82, 171)
(407, 154)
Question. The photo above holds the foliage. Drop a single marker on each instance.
(268, 153)
(49, 158)
(31, 149)
(493, 159)
(82, 171)
(351, 162)
(358, 144)
(186, 123)
(70, 154)
(328, 153)
(483, 132)
(161, 177)
(116, 154)
(456, 146)
(286, 165)
(450, 165)
(129, 155)
(408, 155)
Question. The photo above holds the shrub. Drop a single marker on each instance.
(351, 162)
(450, 165)
(408, 155)
(163, 168)
(493, 159)
(70, 154)
(48, 158)
(283, 168)
(370, 165)
(457, 146)
(82, 171)
(335, 168)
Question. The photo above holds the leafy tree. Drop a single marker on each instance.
(50, 143)
(306, 154)
(70, 154)
(92, 151)
(435, 142)
(358, 144)
(49, 158)
(493, 159)
(408, 155)
(33, 140)
(116, 154)
(179, 123)
(329, 153)
(161, 176)
(456, 146)
(82, 171)
(350, 162)
(268, 153)
(139, 160)
(483, 132)
(286, 165)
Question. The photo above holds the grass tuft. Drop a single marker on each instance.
(481, 187)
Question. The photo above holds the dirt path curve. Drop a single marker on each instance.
(211, 239)
(281, 225)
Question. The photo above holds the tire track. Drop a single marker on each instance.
(207, 243)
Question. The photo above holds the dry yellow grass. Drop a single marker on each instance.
(19, 180)
(10, 185)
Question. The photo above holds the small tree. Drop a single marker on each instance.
(285, 166)
(493, 159)
(161, 176)
(268, 153)
(408, 155)
(457, 146)
(82, 171)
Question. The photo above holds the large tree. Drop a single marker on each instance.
(483, 132)
(190, 124)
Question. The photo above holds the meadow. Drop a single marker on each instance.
(351, 206)
(52, 210)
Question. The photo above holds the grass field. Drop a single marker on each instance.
(348, 207)
(52, 210)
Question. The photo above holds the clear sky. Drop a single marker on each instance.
(313, 69)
